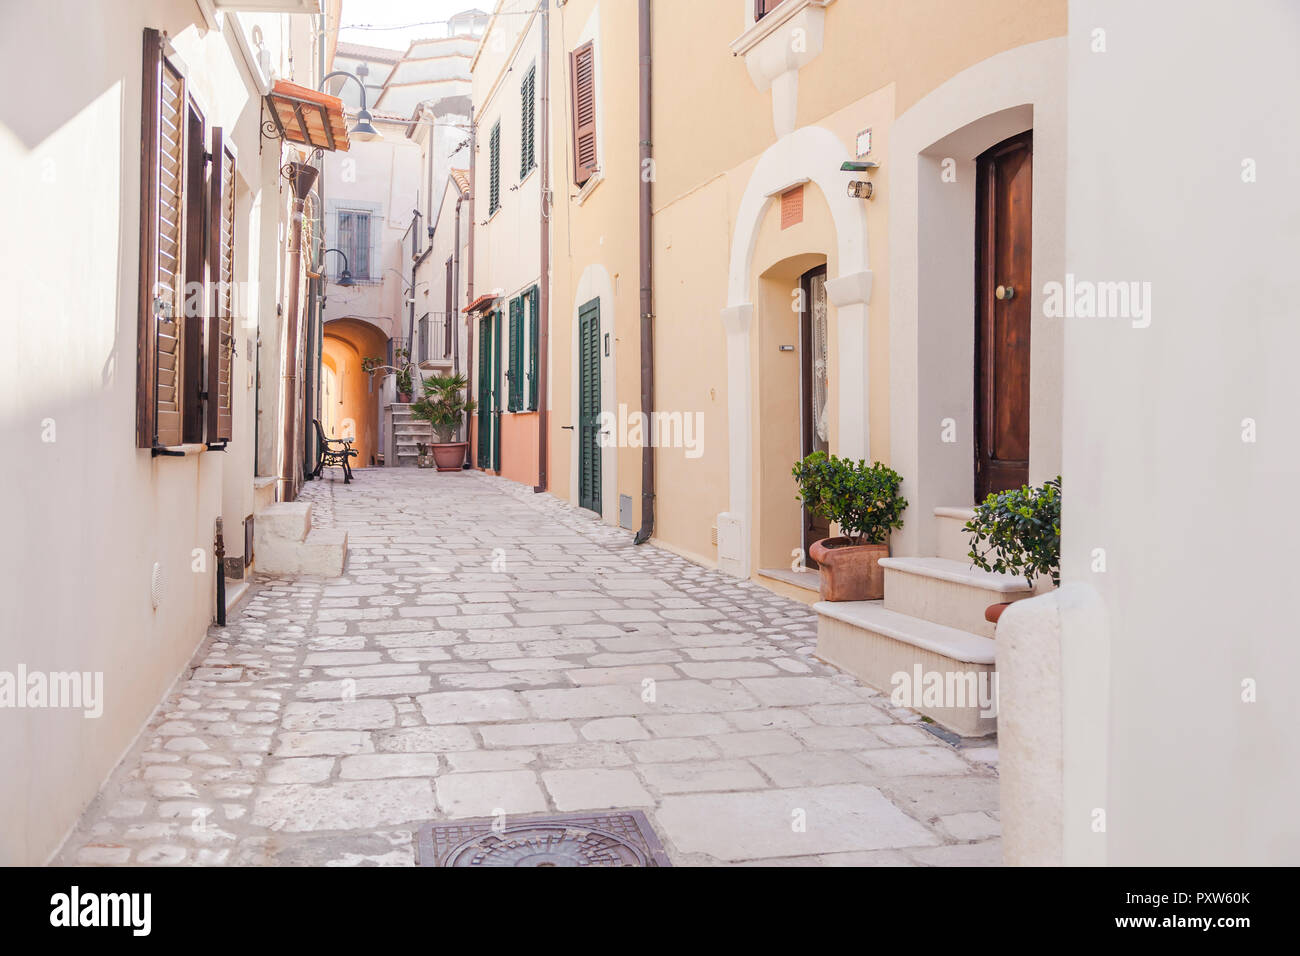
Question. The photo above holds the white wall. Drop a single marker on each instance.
(1196, 525)
(89, 513)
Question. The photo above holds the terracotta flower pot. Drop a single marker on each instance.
(449, 455)
(994, 611)
(850, 572)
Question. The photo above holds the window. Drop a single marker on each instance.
(523, 340)
(582, 76)
(527, 148)
(185, 314)
(531, 298)
(494, 170)
(354, 240)
(424, 340)
(515, 371)
(763, 7)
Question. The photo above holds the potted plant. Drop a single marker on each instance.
(444, 406)
(1018, 532)
(863, 502)
(403, 379)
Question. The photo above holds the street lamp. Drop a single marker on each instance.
(363, 131)
(345, 277)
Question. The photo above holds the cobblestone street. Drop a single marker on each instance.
(493, 650)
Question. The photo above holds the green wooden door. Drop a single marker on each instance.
(589, 406)
(485, 390)
(496, 391)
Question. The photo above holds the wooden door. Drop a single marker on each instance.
(589, 406)
(485, 372)
(1004, 196)
(814, 393)
(496, 391)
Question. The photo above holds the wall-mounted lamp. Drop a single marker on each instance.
(859, 188)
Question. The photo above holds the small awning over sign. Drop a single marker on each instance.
(307, 117)
(482, 302)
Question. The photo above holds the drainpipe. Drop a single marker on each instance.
(544, 280)
(301, 178)
(454, 319)
(647, 298)
(469, 274)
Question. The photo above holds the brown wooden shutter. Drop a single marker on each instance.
(583, 89)
(221, 274)
(162, 141)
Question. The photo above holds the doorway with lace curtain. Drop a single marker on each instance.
(813, 403)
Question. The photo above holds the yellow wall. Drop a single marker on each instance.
(346, 343)
(711, 127)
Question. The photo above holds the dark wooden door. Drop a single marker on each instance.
(814, 393)
(589, 406)
(1004, 194)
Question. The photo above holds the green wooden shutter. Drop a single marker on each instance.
(531, 296)
(589, 406)
(494, 171)
(527, 151)
(484, 393)
(515, 373)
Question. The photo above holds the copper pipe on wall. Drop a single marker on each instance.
(301, 178)
(647, 294)
(544, 280)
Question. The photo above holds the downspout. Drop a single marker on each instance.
(544, 280)
(647, 296)
(469, 277)
(301, 178)
(454, 319)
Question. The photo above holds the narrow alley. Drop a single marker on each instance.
(490, 653)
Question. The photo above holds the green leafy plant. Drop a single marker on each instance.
(1019, 532)
(402, 358)
(444, 405)
(862, 499)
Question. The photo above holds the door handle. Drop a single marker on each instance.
(567, 427)
(1004, 292)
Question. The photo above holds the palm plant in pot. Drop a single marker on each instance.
(1018, 532)
(863, 502)
(444, 406)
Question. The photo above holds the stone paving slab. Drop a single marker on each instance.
(490, 651)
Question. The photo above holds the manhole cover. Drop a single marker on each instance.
(599, 839)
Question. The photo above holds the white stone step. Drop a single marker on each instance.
(263, 492)
(290, 520)
(953, 540)
(236, 591)
(874, 644)
(323, 552)
(948, 592)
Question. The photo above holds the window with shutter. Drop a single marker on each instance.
(162, 221)
(515, 372)
(221, 272)
(494, 170)
(527, 148)
(531, 298)
(354, 240)
(582, 69)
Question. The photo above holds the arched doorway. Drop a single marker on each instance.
(349, 395)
